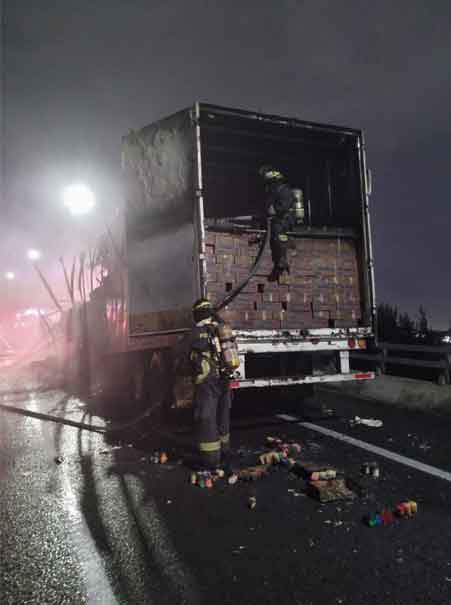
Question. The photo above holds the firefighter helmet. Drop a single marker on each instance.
(202, 309)
(270, 174)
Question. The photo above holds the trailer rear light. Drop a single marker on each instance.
(363, 375)
(234, 384)
(351, 343)
(362, 343)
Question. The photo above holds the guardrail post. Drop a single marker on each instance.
(382, 366)
(441, 380)
(443, 377)
(446, 371)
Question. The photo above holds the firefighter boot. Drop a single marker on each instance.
(203, 461)
(225, 451)
(279, 257)
(210, 460)
(223, 419)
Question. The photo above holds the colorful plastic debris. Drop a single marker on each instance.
(406, 510)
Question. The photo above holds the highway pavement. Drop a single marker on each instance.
(86, 518)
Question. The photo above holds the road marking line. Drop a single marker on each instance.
(287, 417)
(380, 451)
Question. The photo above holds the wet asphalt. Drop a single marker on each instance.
(105, 525)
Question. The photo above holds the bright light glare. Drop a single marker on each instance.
(10, 275)
(33, 254)
(34, 312)
(78, 199)
(31, 312)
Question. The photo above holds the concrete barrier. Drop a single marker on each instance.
(402, 392)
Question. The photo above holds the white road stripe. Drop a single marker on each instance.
(380, 451)
(287, 417)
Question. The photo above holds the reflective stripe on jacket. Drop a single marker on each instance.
(203, 355)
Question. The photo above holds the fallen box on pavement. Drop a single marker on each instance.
(330, 491)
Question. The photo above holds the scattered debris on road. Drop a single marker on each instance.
(406, 510)
(385, 517)
(330, 491)
(321, 481)
(288, 449)
(370, 469)
(238, 550)
(206, 478)
(252, 502)
(403, 510)
(313, 471)
(252, 473)
(371, 422)
(59, 459)
(159, 458)
(282, 452)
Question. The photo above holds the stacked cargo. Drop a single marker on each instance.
(322, 289)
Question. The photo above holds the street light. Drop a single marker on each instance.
(33, 254)
(78, 199)
(10, 275)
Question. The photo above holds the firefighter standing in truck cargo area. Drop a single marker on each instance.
(286, 210)
(212, 395)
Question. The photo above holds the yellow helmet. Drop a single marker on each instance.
(202, 309)
(268, 174)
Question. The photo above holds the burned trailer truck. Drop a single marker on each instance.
(195, 226)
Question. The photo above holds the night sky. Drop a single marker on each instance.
(80, 74)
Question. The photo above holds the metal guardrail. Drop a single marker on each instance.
(385, 357)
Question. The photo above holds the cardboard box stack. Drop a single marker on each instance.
(323, 283)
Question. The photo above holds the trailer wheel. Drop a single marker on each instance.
(159, 380)
(179, 392)
(154, 378)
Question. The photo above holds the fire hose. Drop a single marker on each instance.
(228, 299)
(111, 428)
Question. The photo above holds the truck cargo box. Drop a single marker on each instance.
(195, 223)
(200, 165)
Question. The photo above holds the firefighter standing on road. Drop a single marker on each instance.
(286, 211)
(212, 395)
